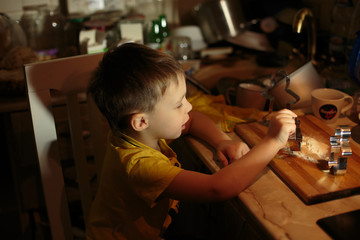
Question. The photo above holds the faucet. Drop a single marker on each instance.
(298, 25)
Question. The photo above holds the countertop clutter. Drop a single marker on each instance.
(250, 43)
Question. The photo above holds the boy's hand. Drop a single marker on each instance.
(282, 125)
(230, 150)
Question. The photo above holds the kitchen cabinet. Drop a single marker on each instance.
(20, 185)
(23, 202)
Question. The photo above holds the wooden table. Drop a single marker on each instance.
(273, 209)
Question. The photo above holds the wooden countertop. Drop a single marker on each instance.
(273, 209)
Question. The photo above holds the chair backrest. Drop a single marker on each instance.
(70, 76)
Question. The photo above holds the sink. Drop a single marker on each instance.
(342, 226)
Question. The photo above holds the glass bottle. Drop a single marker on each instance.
(341, 17)
(165, 32)
(354, 28)
(29, 25)
(154, 37)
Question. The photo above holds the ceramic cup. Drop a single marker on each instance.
(328, 104)
(248, 95)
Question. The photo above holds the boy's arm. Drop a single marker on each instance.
(234, 178)
(203, 127)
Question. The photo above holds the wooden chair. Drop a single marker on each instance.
(69, 76)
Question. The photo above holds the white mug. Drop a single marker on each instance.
(328, 104)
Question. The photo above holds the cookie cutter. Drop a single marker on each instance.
(340, 150)
(296, 138)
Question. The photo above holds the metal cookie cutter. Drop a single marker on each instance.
(340, 150)
(296, 138)
(274, 79)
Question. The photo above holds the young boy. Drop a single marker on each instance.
(142, 93)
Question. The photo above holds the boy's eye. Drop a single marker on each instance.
(179, 106)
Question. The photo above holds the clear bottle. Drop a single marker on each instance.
(354, 27)
(29, 25)
(341, 17)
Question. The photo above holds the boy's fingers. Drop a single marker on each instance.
(222, 158)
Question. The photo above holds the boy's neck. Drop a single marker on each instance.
(144, 139)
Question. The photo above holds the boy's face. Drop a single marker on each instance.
(168, 118)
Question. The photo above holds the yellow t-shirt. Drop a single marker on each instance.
(133, 176)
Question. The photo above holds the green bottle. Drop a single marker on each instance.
(165, 32)
(155, 37)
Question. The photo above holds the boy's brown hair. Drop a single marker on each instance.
(131, 78)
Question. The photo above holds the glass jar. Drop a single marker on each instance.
(11, 35)
(44, 26)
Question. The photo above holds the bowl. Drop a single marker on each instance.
(194, 33)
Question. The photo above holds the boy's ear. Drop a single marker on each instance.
(138, 121)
